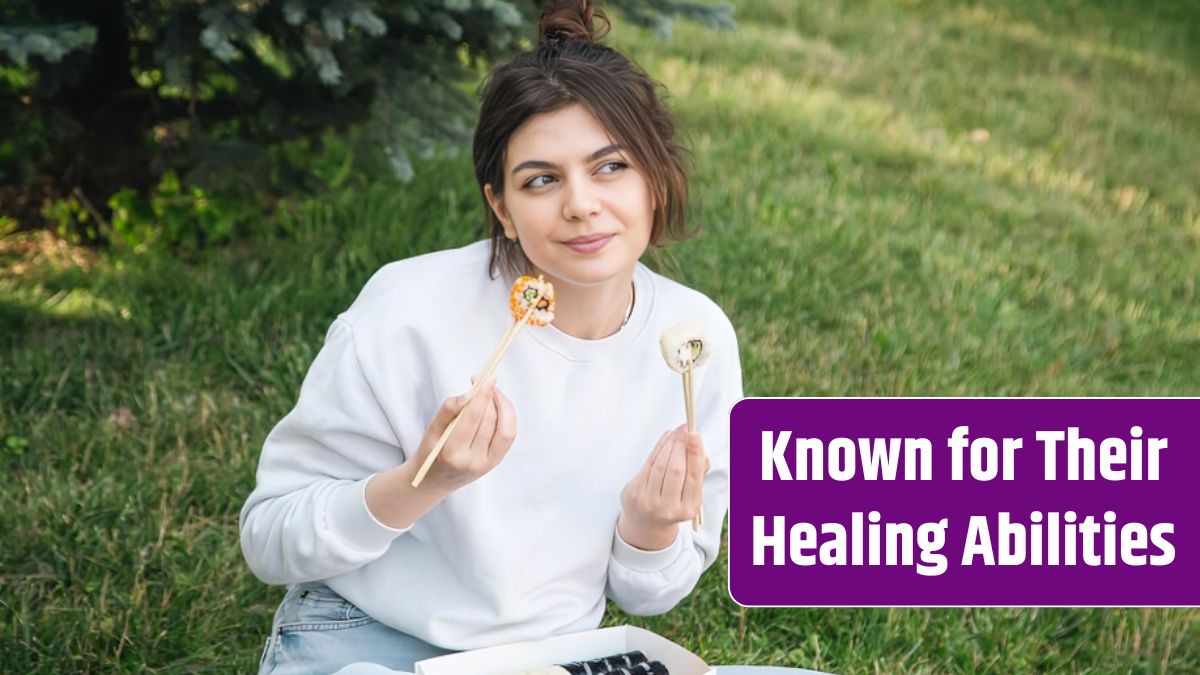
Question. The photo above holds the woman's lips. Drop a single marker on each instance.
(590, 245)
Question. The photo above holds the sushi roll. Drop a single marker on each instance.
(630, 663)
(683, 344)
(647, 668)
(533, 292)
(608, 664)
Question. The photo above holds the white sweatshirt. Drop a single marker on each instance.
(530, 549)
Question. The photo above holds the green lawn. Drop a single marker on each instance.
(896, 198)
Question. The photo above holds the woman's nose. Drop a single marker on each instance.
(580, 199)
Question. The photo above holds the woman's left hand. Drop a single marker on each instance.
(665, 492)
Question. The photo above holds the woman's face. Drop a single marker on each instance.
(580, 209)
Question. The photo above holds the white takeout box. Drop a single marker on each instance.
(592, 644)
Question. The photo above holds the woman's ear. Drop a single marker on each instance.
(497, 205)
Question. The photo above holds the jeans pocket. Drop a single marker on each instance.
(315, 607)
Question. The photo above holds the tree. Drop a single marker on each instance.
(105, 95)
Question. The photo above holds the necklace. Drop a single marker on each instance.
(629, 310)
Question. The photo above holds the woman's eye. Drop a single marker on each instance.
(533, 182)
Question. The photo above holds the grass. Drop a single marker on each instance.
(897, 198)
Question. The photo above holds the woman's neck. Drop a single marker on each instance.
(594, 311)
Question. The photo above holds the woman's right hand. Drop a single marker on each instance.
(481, 438)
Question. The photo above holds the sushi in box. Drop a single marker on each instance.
(537, 656)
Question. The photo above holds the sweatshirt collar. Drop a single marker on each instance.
(578, 349)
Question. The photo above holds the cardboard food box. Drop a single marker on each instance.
(592, 644)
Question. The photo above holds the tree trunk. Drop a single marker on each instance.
(112, 117)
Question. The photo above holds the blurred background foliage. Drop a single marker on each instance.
(177, 122)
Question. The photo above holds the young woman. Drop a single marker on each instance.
(569, 478)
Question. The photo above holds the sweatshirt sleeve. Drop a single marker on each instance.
(645, 583)
(307, 518)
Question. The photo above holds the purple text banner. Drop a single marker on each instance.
(965, 502)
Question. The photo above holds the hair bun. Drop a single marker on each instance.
(564, 20)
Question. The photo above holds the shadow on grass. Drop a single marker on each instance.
(59, 312)
(1102, 29)
(1058, 97)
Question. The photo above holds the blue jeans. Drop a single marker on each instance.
(317, 631)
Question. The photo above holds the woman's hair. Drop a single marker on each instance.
(570, 66)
